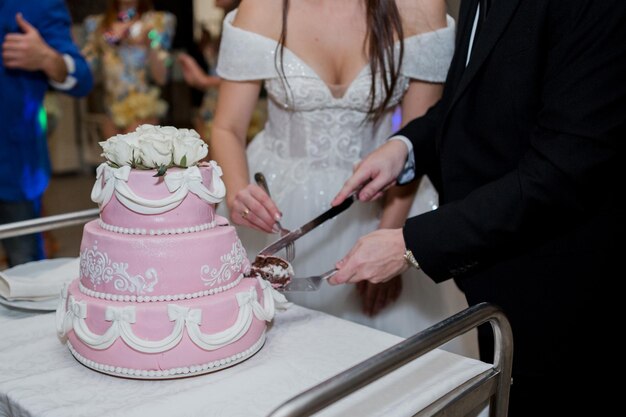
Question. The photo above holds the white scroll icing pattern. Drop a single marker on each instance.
(111, 180)
(97, 266)
(233, 262)
(71, 315)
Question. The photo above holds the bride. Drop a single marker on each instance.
(335, 72)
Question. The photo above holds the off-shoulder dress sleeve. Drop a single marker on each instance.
(245, 55)
(427, 56)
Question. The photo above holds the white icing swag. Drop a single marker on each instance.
(179, 183)
(71, 315)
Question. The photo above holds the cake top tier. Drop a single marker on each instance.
(153, 182)
(155, 147)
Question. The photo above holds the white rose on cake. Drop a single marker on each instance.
(188, 132)
(121, 150)
(155, 147)
(141, 129)
(170, 131)
(189, 149)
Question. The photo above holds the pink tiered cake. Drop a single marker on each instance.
(162, 291)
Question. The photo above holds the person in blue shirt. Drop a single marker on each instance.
(38, 52)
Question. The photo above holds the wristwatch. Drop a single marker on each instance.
(410, 259)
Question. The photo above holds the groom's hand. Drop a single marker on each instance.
(376, 257)
(376, 173)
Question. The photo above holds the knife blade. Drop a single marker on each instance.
(307, 227)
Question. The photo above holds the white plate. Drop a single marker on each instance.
(34, 269)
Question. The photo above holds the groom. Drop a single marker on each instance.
(525, 148)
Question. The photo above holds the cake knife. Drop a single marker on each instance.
(306, 228)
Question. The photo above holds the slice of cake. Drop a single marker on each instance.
(162, 291)
(273, 269)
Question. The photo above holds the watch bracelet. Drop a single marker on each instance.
(410, 259)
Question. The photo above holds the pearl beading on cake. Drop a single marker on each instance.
(157, 298)
(172, 372)
(156, 232)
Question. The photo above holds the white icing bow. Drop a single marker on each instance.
(124, 314)
(179, 183)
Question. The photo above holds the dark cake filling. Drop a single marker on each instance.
(273, 269)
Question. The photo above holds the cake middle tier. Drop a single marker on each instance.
(147, 268)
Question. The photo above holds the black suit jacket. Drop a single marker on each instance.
(524, 148)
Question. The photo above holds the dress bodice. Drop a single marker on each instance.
(305, 120)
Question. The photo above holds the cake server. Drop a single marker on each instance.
(308, 283)
(306, 228)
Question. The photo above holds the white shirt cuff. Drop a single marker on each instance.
(408, 171)
(70, 80)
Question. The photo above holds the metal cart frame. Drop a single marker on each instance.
(491, 386)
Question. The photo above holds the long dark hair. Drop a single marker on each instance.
(384, 26)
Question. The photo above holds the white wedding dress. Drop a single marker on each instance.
(307, 150)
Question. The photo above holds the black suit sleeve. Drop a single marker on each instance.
(423, 132)
(573, 155)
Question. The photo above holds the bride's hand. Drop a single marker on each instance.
(252, 207)
(375, 297)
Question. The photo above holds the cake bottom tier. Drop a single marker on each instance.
(167, 339)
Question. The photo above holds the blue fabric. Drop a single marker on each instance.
(24, 159)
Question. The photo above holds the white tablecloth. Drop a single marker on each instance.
(39, 377)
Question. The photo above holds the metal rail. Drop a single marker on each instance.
(42, 224)
(492, 385)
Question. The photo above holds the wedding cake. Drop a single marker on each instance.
(163, 289)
